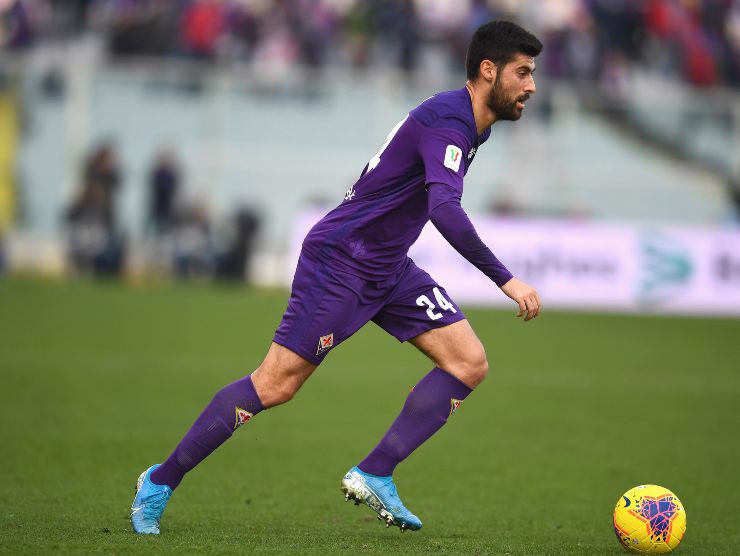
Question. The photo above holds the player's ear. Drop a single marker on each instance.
(487, 71)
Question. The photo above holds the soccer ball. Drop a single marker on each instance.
(649, 519)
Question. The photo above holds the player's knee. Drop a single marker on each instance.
(286, 392)
(277, 394)
(276, 380)
(472, 367)
(475, 367)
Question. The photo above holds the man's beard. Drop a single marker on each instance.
(504, 107)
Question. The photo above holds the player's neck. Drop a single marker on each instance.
(484, 116)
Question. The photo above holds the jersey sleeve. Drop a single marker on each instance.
(444, 152)
(453, 223)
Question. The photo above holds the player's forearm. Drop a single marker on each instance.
(455, 226)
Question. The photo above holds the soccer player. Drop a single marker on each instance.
(354, 268)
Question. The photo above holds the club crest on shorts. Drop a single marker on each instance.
(454, 404)
(242, 416)
(325, 343)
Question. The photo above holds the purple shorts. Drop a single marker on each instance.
(327, 306)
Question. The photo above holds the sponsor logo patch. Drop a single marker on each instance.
(454, 404)
(242, 416)
(325, 343)
(453, 156)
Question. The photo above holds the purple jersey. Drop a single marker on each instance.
(382, 214)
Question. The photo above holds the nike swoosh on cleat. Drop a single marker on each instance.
(134, 510)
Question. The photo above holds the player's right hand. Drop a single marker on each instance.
(525, 296)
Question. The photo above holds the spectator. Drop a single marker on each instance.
(102, 177)
(202, 26)
(164, 186)
(234, 262)
(94, 244)
(193, 246)
(94, 247)
(146, 27)
(16, 32)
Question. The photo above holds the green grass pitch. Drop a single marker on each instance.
(98, 381)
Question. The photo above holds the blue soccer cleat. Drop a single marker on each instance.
(380, 494)
(149, 504)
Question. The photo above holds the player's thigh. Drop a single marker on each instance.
(415, 305)
(420, 310)
(456, 349)
(326, 307)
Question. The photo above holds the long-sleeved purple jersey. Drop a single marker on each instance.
(382, 214)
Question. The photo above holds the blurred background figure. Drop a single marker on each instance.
(234, 261)
(16, 30)
(194, 255)
(102, 176)
(203, 28)
(134, 28)
(164, 188)
(95, 245)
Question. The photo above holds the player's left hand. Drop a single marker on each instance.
(525, 296)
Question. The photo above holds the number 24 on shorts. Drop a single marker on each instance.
(424, 301)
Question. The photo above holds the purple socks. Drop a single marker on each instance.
(231, 407)
(427, 408)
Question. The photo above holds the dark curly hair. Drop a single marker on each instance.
(499, 41)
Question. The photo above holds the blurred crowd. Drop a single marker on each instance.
(180, 237)
(697, 41)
